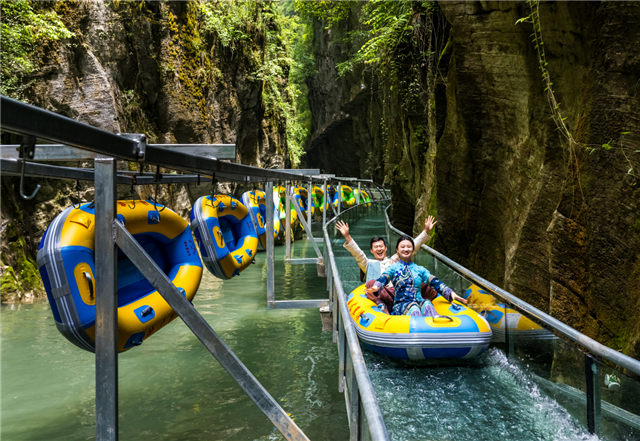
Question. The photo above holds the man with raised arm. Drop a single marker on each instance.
(379, 250)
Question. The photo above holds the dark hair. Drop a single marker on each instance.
(405, 237)
(378, 239)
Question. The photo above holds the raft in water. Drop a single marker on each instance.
(503, 319)
(459, 333)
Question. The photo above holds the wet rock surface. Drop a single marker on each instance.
(133, 68)
(554, 223)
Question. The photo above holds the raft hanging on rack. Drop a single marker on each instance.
(225, 235)
(256, 203)
(66, 264)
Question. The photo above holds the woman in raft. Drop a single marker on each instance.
(407, 279)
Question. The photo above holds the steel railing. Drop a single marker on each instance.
(354, 378)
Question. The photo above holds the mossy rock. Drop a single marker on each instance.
(9, 285)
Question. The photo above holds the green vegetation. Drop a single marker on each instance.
(268, 33)
(536, 39)
(25, 26)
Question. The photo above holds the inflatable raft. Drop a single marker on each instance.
(225, 235)
(66, 264)
(348, 197)
(256, 202)
(283, 214)
(502, 318)
(460, 333)
(318, 200)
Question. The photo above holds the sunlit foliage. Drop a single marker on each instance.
(24, 25)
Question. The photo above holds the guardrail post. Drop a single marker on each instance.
(359, 198)
(287, 201)
(354, 404)
(325, 207)
(342, 350)
(309, 208)
(594, 404)
(106, 261)
(271, 285)
(339, 197)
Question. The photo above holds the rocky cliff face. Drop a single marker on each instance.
(141, 67)
(556, 224)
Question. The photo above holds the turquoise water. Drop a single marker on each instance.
(486, 398)
(171, 388)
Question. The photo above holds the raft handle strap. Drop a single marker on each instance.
(444, 317)
(87, 276)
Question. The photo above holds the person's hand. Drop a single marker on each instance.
(343, 228)
(455, 296)
(373, 289)
(429, 223)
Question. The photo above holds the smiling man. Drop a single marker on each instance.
(385, 296)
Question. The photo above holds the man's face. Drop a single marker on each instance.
(379, 250)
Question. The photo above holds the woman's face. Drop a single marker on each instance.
(405, 249)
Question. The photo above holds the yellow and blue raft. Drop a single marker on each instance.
(459, 333)
(66, 264)
(300, 197)
(256, 202)
(503, 319)
(318, 200)
(283, 213)
(226, 237)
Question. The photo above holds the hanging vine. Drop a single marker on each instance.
(556, 114)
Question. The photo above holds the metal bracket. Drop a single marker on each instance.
(28, 147)
(141, 144)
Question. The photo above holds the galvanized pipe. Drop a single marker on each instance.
(106, 266)
(271, 284)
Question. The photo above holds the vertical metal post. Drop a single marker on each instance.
(271, 286)
(593, 394)
(325, 207)
(309, 208)
(287, 201)
(339, 197)
(359, 195)
(342, 349)
(106, 261)
(354, 403)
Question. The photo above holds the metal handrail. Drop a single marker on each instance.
(590, 344)
(377, 427)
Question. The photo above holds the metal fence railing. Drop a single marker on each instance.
(365, 418)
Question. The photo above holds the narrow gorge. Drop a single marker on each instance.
(444, 102)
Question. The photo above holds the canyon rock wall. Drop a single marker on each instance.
(139, 67)
(555, 223)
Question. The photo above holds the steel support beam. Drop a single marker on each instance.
(106, 265)
(300, 304)
(206, 334)
(61, 152)
(288, 229)
(271, 286)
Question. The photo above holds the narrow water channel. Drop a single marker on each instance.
(171, 388)
(486, 398)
